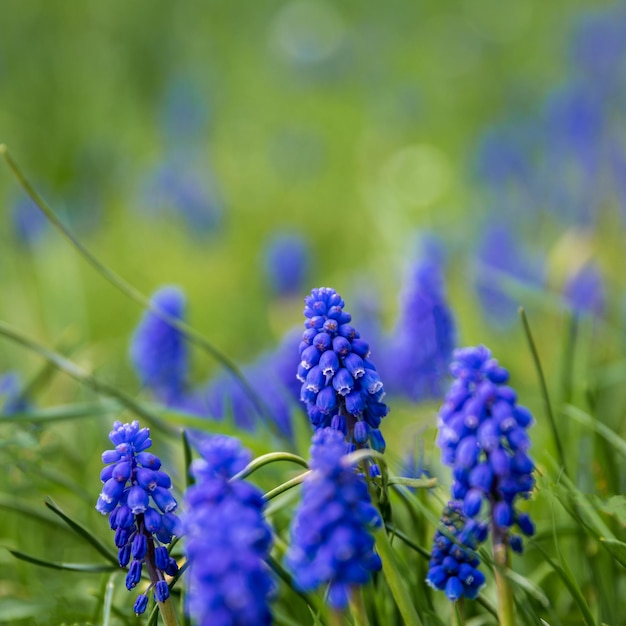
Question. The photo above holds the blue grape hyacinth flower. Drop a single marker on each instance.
(340, 385)
(331, 534)
(584, 291)
(483, 437)
(424, 337)
(286, 261)
(158, 351)
(227, 539)
(453, 564)
(136, 495)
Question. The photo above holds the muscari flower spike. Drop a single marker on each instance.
(227, 539)
(340, 385)
(482, 435)
(158, 350)
(331, 540)
(425, 334)
(136, 495)
(453, 564)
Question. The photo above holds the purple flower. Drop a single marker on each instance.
(158, 351)
(331, 539)
(482, 435)
(131, 478)
(227, 539)
(337, 376)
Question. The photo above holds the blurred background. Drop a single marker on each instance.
(439, 164)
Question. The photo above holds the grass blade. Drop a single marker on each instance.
(125, 287)
(86, 568)
(544, 388)
(79, 374)
(84, 533)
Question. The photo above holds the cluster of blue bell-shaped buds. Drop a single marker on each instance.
(453, 564)
(132, 479)
(340, 385)
(482, 435)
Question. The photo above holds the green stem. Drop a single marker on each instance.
(266, 459)
(286, 486)
(166, 608)
(357, 607)
(458, 612)
(506, 605)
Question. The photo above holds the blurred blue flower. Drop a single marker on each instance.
(131, 478)
(482, 436)
(286, 263)
(185, 112)
(331, 540)
(598, 47)
(340, 385)
(454, 565)
(11, 390)
(500, 259)
(270, 376)
(584, 291)
(228, 540)
(158, 351)
(420, 347)
(29, 223)
(182, 187)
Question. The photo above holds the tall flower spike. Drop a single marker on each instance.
(158, 351)
(425, 335)
(482, 435)
(136, 496)
(227, 539)
(454, 565)
(340, 385)
(331, 540)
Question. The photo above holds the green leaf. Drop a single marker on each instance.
(108, 600)
(615, 506)
(529, 586)
(83, 377)
(83, 533)
(93, 568)
(187, 457)
(266, 459)
(12, 610)
(63, 412)
(544, 388)
(616, 548)
(415, 483)
(395, 580)
(11, 504)
(294, 482)
(604, 431)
